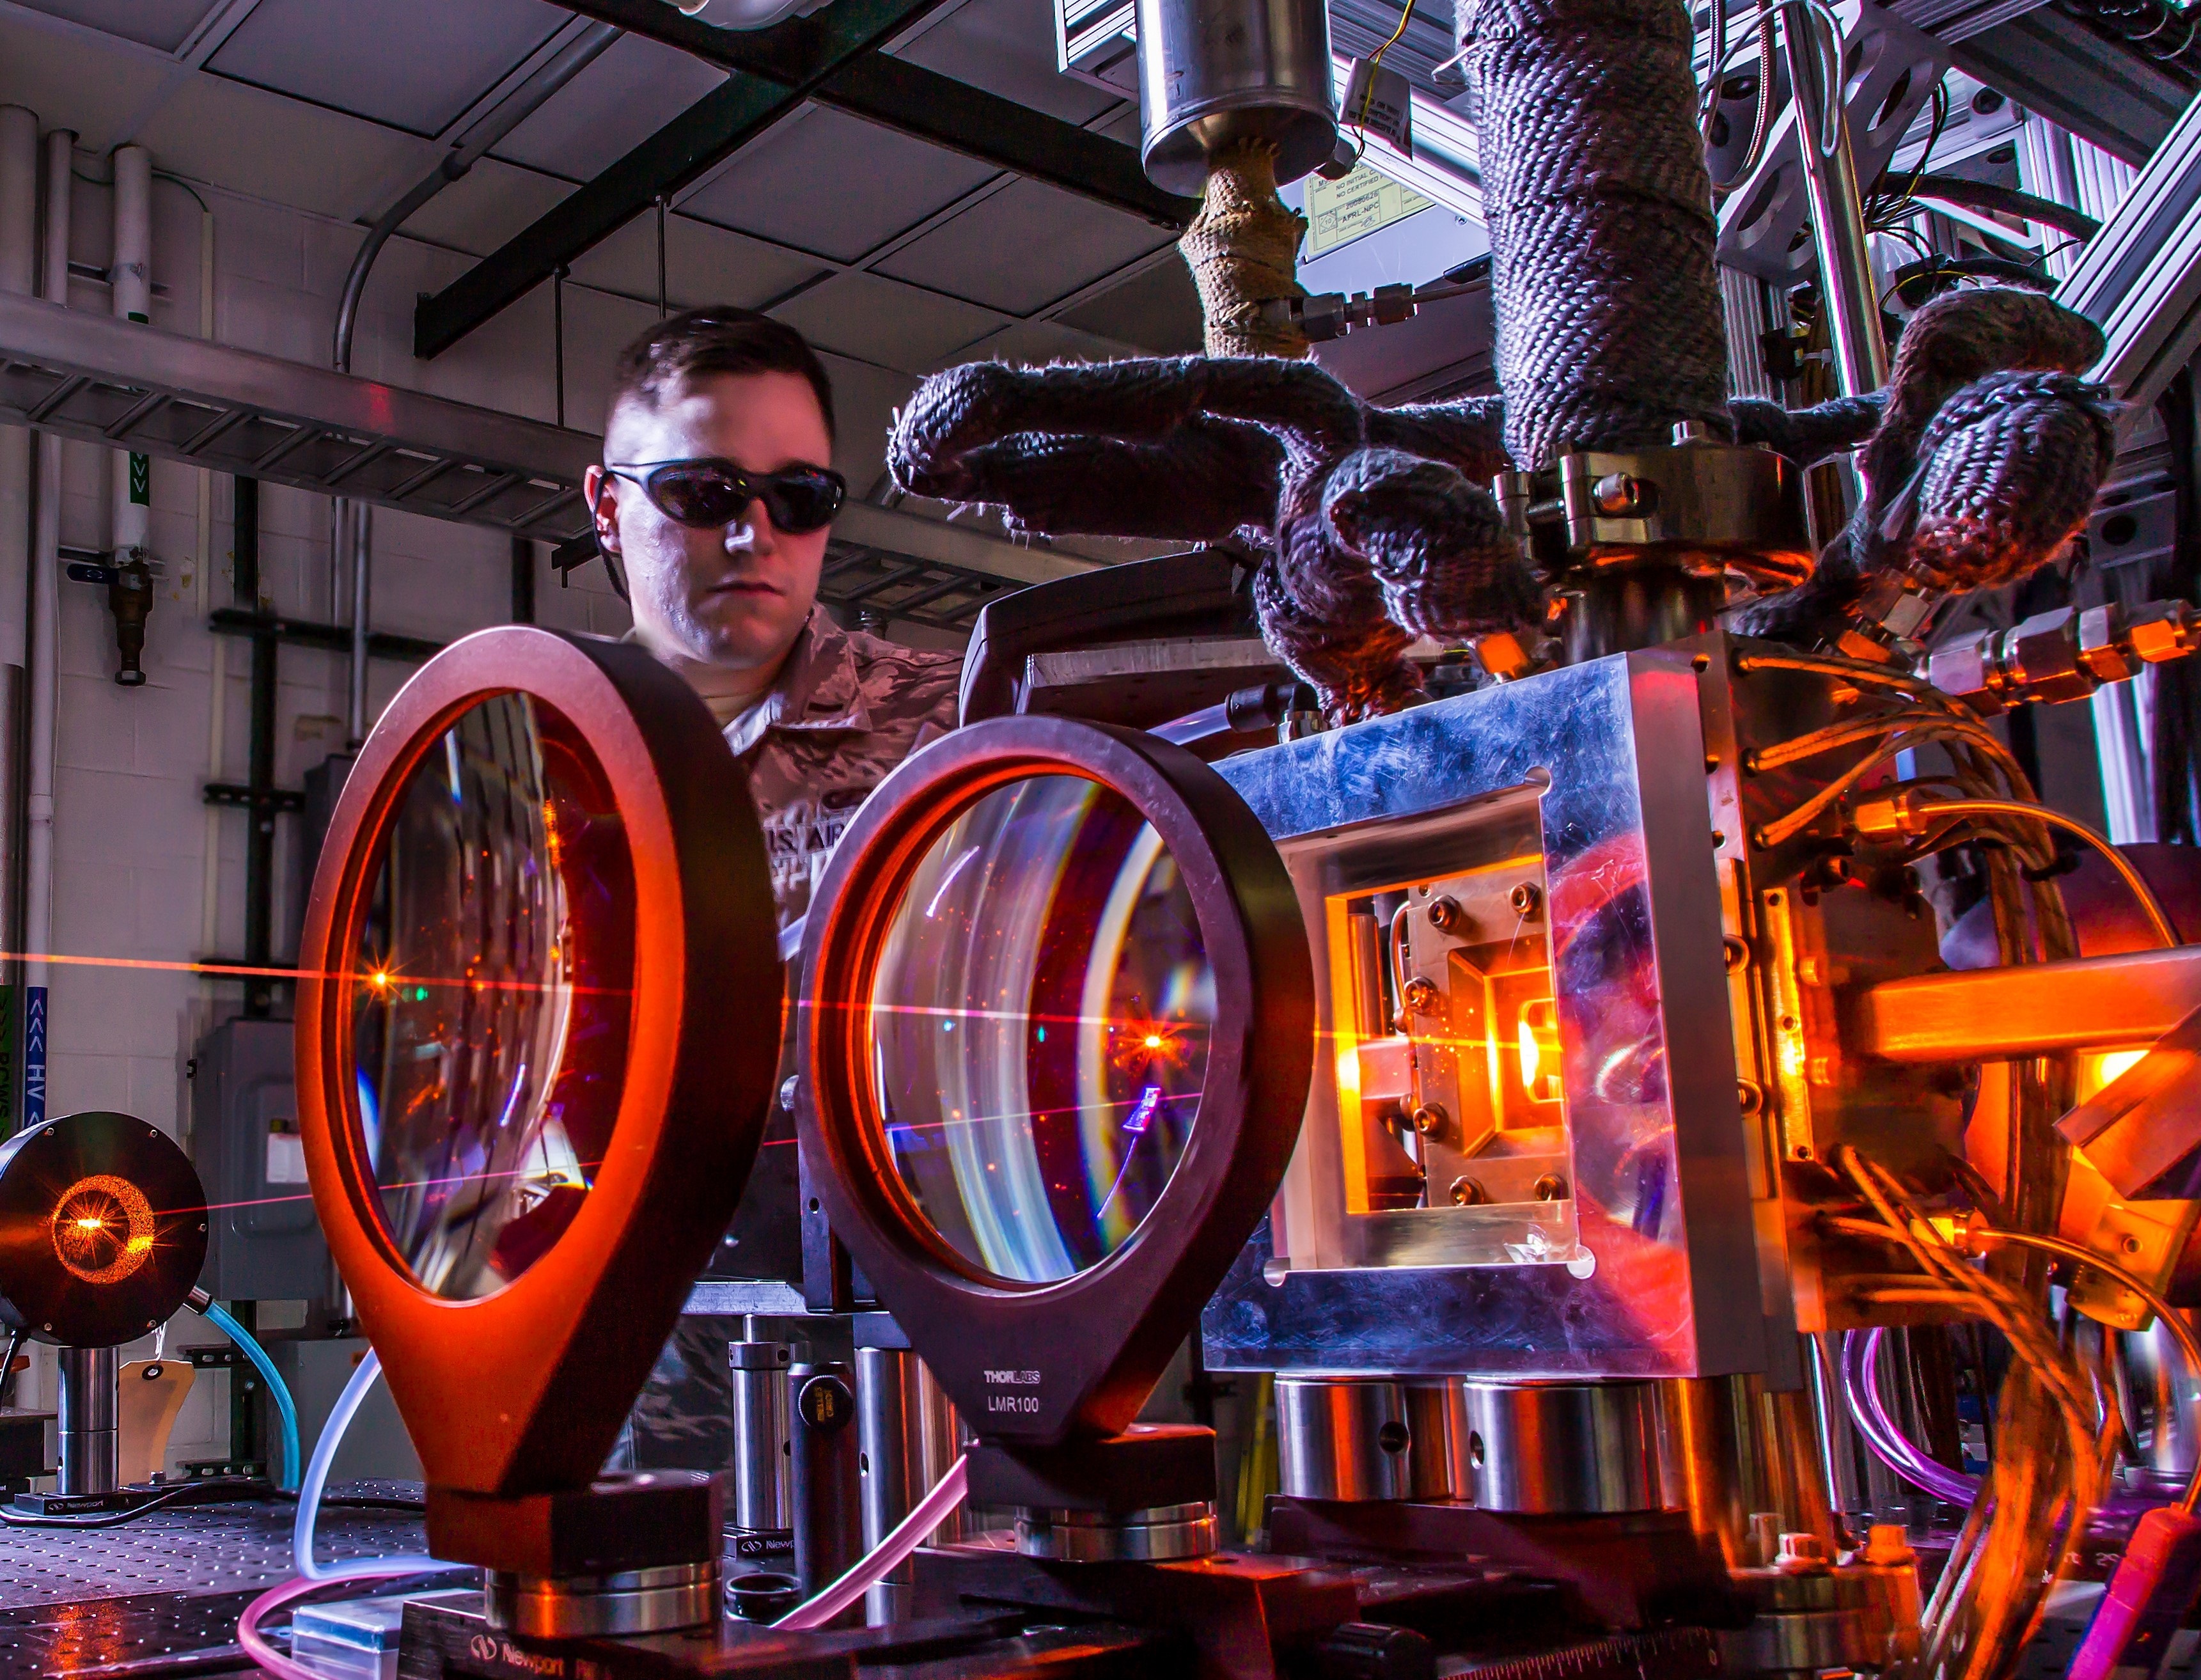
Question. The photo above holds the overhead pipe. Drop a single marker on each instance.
(44, 666)
(218, 680)
(350, 527)
(19, 275)
(130, 279)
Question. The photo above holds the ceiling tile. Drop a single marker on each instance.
(71, 81)
(1157, 309)
(1006, 47)
(633, 90)
(703, 264)
(1124, 125)
(240, 138)
(835, 185)
(155, 23)
(883, 321)
(413, 63)
(1036, 343)
(486, 207)
(1020, 249)
(865, 399)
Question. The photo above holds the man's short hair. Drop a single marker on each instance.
(717, 338)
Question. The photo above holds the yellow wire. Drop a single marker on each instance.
(2149, 906)
(1368, 93)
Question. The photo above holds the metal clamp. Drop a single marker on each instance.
(1707, 507)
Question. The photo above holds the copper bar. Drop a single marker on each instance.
(1993, 1014)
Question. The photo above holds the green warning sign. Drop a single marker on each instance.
(141, 480)
(1340, 212)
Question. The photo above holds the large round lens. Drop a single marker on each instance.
(1040, 1014)
(491, 1000)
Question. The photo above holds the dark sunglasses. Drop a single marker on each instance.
(709, 494)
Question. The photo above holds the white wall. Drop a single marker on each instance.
(130, 824)
(131, 827)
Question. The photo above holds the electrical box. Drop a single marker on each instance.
(263, 1240)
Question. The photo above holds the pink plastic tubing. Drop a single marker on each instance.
(926, 1515)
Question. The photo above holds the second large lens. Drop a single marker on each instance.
(1040, 1013)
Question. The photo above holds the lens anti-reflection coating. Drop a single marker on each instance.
(492, 996)
(1040, 1017)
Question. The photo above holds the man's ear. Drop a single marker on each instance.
(600, 490)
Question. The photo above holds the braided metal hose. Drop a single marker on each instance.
(1601, 229)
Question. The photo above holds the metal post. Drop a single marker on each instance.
(1847, 290)
(664, 291)
(523, 580)
(90, 1461)
(758, 1373)
(362, 586)
(558, 334)
(909, 1436)
(828, 1523)
(259, 760)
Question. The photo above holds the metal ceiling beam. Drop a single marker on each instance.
(984, 126)
(831, 56)
(781, 67)
(125, 386)
(130, 386)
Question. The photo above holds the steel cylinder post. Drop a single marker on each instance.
(828, 1520)
(1734, 1451)
(89, 1443)
(1563, 1449)
(909, 1436)
(1343, 1439)
(1847, 291)
(758, 1374)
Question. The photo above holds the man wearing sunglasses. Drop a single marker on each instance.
(712, 507)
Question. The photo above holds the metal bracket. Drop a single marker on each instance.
(1890, 69)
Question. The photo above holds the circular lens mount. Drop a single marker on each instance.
(1056, 1029)
(103, 1230)
(538, 1023)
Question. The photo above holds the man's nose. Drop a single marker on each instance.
(752, 531)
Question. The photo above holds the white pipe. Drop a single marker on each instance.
(19, 274)
(218, 693)
(44, 653)
(130, 275)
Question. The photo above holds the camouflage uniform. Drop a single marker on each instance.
(847, 709)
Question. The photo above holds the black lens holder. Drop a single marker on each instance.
(1050, 1375)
